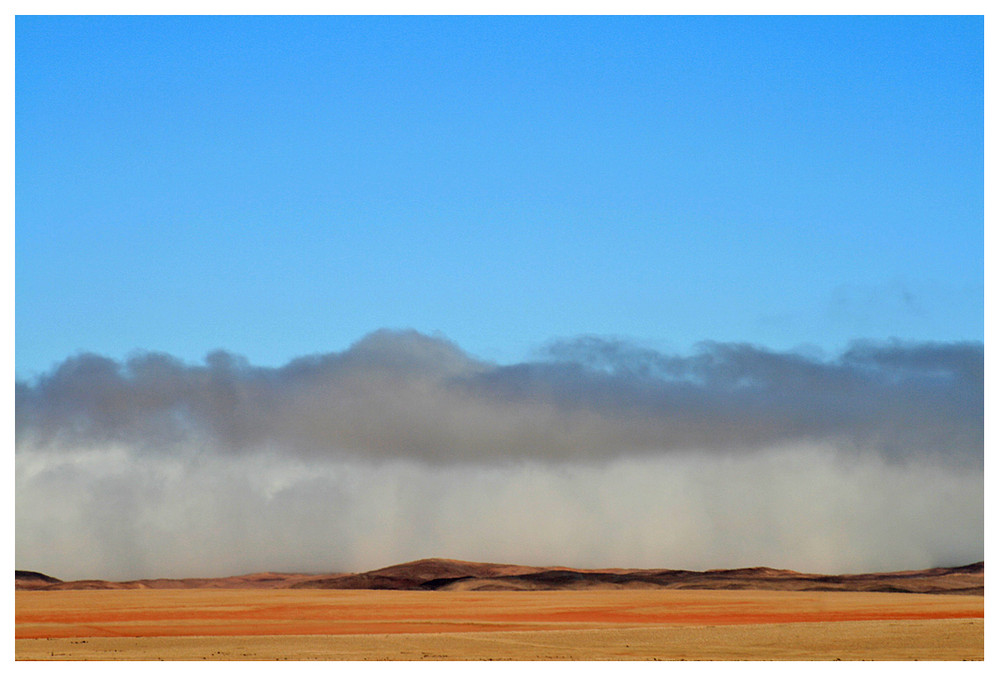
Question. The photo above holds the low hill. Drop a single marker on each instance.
(30, 580)
(448, 574)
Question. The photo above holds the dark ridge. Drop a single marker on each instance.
(368, 581)
(676, 574)
(560, 577)
(430, 569)
(491, 587)
(886, 588)
(750, 571)
(33, 577)
(439, 583)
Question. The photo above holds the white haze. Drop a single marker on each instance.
(121, 515)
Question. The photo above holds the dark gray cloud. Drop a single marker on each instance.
(596, 453)
(404, 395)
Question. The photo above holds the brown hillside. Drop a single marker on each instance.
(448, 574)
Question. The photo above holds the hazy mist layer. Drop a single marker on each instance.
(599, 453)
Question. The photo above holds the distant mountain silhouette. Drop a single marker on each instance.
(25, 580)
(449, 574)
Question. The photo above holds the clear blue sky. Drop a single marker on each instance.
(283, 186)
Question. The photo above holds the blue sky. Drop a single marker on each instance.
(283, 186)
(576, 203)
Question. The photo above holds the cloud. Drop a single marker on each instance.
(597, 453)
(404, 395)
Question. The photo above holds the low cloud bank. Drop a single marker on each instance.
(404, 395)
(599, 453)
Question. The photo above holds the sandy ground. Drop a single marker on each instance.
(559, 625)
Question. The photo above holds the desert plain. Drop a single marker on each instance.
(314, 618)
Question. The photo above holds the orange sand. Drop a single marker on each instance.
(179, 613)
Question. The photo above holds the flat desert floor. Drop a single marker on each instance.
(551, 625)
